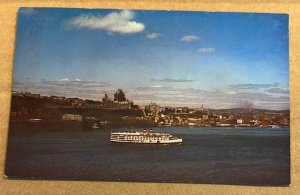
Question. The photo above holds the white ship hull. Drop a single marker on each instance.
(177, 141)
(144, 138)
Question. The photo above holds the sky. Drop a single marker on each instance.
(172, 58)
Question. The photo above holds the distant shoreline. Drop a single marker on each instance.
(134, 125)
(97, 114)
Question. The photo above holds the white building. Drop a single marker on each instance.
(239, 121)
(72, 117)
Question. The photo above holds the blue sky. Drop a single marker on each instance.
(221, 60)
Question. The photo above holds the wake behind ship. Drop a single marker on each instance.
(144, 137)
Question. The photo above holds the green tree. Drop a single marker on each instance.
(105, 98)
(119, 96)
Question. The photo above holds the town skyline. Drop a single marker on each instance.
(222, 60)
(57, 108)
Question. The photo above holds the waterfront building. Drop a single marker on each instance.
(28, 94)
(72, 117)
(205, 117)
(239, 121)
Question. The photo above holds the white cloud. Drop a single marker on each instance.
(156, 86)
(278, 90)
(163, 95)
(252, 86)
(77, 79)
(173, 80)
(206, 50)
(172, 96)
(65, 79)
(189, 38)
(116, 22)
(68, 88)
(153, 36)
(75, 83)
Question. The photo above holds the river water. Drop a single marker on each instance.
(243, 156)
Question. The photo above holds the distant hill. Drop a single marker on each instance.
(247, 110)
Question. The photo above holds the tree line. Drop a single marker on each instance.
(119, 96)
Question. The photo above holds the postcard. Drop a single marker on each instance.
(150, 96)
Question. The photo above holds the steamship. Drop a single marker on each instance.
(144, 137)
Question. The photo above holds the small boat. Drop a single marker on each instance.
(95, 126)
(34, 120)
(144, 137)
(274, 126)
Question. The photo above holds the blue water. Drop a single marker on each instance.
(244, 156)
